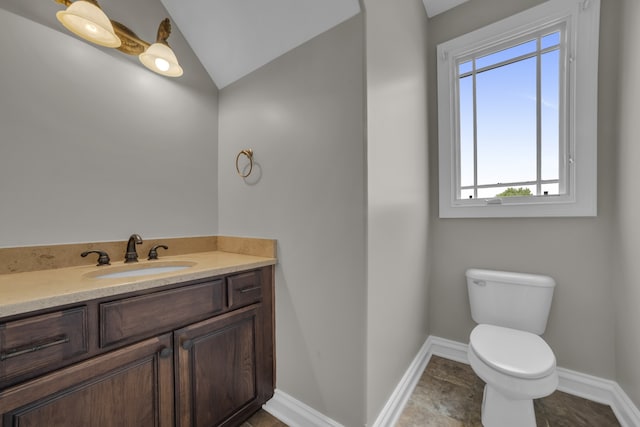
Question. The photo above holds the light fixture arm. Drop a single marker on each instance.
(68, 3)
(164, 31)
(131, 43)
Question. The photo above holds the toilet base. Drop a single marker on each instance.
(500, 411)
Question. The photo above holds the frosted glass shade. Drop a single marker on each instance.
(88, 21)
(160, 59)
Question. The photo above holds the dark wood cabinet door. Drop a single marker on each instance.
(130, 387)
(217, 371)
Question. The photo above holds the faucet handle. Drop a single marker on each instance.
(103, 258)
(153, 252)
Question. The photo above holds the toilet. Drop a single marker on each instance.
(505, 348)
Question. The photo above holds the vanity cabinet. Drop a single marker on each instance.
(193, 354)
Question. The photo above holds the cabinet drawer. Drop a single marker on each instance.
(139, 317)
(244, 289)
(38, 343)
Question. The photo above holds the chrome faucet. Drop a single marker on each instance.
(131, 255)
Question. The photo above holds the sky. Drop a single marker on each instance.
(506, 107)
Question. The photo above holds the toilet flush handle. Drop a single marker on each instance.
(480, 282)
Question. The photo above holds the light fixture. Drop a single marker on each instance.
(159, 57)
(85, 19)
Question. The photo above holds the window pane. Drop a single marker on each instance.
(466, 131)
(518, 191)
(550, 189)
(465, 67)
(550, 40)
(550, 118)
(511, 190)
(506, 54)
(506, 123)
(466, 194)
(489, 193)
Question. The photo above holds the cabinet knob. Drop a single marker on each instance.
(165, 353)
(187, 344)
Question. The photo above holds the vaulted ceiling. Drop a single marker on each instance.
(235, 37)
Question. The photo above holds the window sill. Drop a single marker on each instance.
(510, 209)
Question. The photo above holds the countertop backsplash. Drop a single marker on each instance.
(36, 258)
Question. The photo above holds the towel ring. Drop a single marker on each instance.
(249, 153)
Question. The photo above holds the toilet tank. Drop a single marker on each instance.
(513, 300)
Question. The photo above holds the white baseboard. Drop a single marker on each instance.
(396, 403)
(600, 390)
(433, 346)
(297, 414)
(448, 349)
(626, 411)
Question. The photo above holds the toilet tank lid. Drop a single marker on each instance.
(511, 277)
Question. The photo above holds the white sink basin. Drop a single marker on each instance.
(139, 270)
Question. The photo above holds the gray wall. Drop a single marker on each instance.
(574, 251)
(307, 127)
(345, 285)
(397, 194)
(627, 226)
(303, 115)
(93, 146)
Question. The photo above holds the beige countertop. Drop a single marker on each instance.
(35, 290)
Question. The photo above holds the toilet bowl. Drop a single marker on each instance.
(505, 349)
(517, 367)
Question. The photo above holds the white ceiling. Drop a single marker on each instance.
(232, 38)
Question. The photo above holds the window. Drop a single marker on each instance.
(517, 115)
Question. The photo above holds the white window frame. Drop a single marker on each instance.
(579, 127)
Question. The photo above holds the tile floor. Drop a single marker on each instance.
(449, 394)
(263, 419)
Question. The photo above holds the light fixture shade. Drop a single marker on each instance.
(160, 58)
(88, 21)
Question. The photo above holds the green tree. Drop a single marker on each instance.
(510, 192)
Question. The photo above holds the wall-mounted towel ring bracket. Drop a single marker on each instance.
(249, 153)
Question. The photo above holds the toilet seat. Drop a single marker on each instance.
(512, 352)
